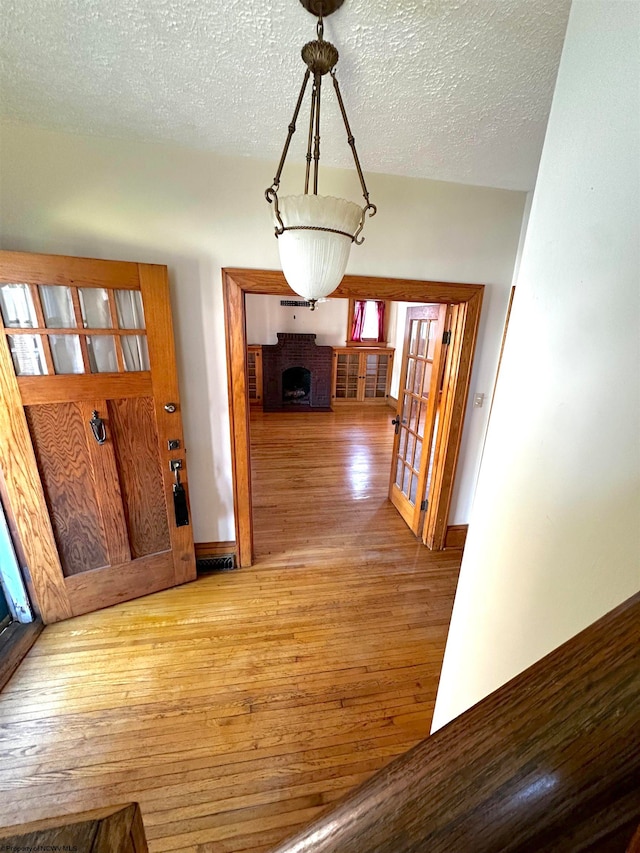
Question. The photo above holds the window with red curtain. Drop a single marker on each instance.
(368, 321)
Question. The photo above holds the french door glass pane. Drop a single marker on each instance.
(417, 381)
(421, 420)
(94, 304)
(57, 307)
(405, 481)
(27, 355)
(418, 454)
(413, 344)
(411, 367)
(403, 441)
(130, 311)
(405, 408)
(102, 354)
(424, 334)
(17, 307)
(410, 444)
(413, 419)
(432, 341)
(414, 489)
(135, 352)
(67, 356)
(427, 379)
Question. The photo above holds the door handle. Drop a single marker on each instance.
(98, 428)
(179, 495)
(396, 423)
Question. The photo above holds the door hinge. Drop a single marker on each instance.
(446, 337)
(424, 504)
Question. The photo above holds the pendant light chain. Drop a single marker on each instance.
(318, 85)
(316, 231)
(292, 129)
(352, 142)
(320, 57)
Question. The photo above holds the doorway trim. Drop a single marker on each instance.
(467, 302)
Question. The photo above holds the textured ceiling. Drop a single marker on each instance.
(455, 90)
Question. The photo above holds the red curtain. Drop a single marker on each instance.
(359, 310)
(380, 307)
(358, 320)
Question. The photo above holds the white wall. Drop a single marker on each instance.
(554, 539)
(266, 317)
(197, 212)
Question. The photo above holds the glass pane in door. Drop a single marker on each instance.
(424, 335)
(399, 470)
(417, 455)
(406, 480)
(102, 354)
(411, 440)
(57, 307)
(135, 352)
(413, 343)
(16, 304)
(417, 377)
(66, 352)
(129, 309)
(94, 305)
(414, 489)
(27, 355)
(431, 348)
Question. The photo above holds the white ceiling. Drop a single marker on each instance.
(455, 90)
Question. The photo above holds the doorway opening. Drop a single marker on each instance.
(465, 302)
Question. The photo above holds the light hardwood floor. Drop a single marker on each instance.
(236, 708)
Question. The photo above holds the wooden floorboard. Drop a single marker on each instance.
(237, 708)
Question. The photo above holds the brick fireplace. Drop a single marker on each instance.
(296, 374)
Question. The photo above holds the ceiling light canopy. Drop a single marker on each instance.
(315, 232)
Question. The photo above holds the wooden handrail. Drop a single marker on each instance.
(549, 762)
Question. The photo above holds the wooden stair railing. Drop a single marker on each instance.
(549, 763)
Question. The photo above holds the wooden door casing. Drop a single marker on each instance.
(467, 302)
(95, 521)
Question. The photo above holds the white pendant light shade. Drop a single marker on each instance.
(314, 262)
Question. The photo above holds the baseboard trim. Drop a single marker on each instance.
(456, 536)
(15, 642)
(392, 402)
(214, 549)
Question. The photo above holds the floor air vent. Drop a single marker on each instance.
(224, 563)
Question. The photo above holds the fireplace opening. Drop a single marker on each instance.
(296, 386)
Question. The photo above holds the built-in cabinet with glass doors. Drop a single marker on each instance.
(361, 375)
(254, 374)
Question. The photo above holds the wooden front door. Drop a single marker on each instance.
(91, 429)
(417, 409)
